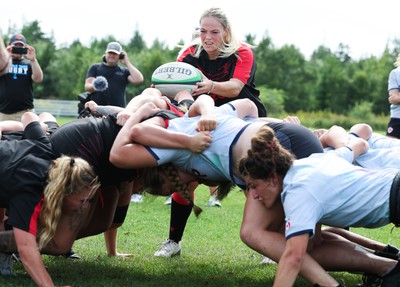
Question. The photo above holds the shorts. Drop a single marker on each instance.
(51, 127)
(297, 139)
(393, 128)
(14, 116)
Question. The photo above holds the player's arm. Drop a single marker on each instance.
(291, 260)
(31, 259)
(124, 152)
(245, 108)
(5, 57)
(205, 108)
(148, 95)
(337, 137)
(393, 87)
(150, 134)
(294, 257)
(10, 126)
(394, 97)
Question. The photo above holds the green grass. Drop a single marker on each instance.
(63, 120)
(212, 252)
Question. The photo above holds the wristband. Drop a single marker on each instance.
(212, 87)
(354, 134)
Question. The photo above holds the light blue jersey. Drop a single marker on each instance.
(215, 162)
(380, 158)
(327, 188)
(394, 83)
(380, 141)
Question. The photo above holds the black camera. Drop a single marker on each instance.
(19, 50)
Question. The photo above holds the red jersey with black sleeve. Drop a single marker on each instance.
(241, 66)
(24, 169)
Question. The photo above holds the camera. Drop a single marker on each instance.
(19, 50)
(121, 56)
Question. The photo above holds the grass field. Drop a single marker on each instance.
(212, 252)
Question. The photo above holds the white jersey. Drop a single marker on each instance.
(215, 162)
(326, 188)
(394, 83)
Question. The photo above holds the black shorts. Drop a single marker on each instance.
(51, 127)
(297, 139)
(17, 135)
(393, 128)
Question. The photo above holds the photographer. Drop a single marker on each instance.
(16, 90)
(107, 81)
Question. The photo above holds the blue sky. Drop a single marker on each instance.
(366, 26)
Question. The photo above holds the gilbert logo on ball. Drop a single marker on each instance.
(173, 77)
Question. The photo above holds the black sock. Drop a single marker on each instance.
(386, 255)
(179, 216)
(391, 249)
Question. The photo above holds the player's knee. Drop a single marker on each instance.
(29, 117)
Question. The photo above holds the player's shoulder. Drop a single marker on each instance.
(245, 48)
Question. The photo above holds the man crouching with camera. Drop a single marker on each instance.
(16, 86)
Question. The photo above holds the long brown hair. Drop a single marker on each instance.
(265, 157)
(153, 181)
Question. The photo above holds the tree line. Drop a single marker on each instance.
(329, 81)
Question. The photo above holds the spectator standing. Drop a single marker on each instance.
(107, 81)
(393, 129)
(16, 86)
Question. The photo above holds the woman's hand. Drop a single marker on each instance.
(207, 123)
(292, 119)
(92, 106)
(123, 116)
(200, 141)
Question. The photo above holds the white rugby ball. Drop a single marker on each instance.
(170, 78)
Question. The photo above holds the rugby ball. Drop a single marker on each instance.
(173, 77)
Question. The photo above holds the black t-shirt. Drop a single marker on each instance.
(117, 78)
(92, 139)
(24, 169)
(16, 90)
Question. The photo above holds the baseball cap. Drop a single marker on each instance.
(114, 47)
(18, 38)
